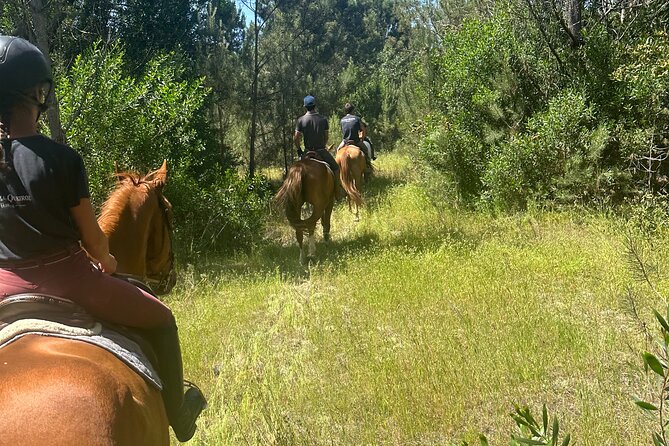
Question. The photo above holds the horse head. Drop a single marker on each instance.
(137, 219)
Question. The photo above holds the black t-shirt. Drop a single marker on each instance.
(39, 185)
(350, 126)
(314, 129)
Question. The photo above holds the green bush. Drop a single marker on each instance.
(112, 117)
(559, 156)
(225, 215)
(451, 149)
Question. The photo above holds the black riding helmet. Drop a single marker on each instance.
(22, 66)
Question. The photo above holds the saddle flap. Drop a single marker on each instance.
(43, 306)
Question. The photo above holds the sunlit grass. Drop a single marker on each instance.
(419, 325)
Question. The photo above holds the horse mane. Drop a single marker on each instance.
(118, 199)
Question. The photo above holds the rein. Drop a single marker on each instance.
(162, 283)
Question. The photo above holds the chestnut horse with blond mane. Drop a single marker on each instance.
(308, 181)
(137, 220)
(61, 392)
(352, 166)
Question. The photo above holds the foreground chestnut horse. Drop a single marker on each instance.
(351, 171)
(137, 219)
(60, 392)
(308, 181)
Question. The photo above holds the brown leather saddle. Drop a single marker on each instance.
(45, 307)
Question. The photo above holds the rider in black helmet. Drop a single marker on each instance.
(46, 213)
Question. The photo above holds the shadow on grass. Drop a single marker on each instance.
(274, 258)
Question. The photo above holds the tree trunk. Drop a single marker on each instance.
(573, 18)
(41, 34)
(254, 94)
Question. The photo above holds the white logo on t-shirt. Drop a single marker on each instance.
(11, 200)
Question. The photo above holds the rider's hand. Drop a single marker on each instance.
(108, 265)
(300, 152)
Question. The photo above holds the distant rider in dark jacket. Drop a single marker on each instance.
(354, 132)
(313, 127)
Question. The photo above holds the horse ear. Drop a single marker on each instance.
(158, 177)
(118, 173)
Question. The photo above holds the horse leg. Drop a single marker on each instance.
(299, 235)
(356, 219)
(312, 243)
(325, 221)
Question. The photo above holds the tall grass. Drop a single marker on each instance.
(420, 325)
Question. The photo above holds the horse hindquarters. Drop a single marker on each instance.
(62, 392)
(351, 174)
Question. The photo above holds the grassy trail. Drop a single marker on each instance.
(420, 325)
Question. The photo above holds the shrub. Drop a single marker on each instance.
(451, 149)
(223, 216)
(113, 117)
(559, 157)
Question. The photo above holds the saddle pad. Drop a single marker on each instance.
(123, 348)
(323, 162)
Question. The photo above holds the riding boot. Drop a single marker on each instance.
(182, 409)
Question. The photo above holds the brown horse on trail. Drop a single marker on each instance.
(352, 167)
(62, 392)
(308, 181)
(137, 219)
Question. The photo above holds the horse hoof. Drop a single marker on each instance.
(326, 236)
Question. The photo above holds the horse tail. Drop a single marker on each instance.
(348, 180)
(290, 195)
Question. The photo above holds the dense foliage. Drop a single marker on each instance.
(529, 105)
(504, 102)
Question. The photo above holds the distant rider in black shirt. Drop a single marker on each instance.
(354, 132)
(314, 128)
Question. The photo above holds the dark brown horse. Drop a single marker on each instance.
(351, 171)
(60, 392)
(308, 181)
(137, 219)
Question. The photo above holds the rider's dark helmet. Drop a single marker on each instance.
(22, 65)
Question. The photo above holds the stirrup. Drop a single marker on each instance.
(194, 403)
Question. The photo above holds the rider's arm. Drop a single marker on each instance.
(93, 239)
(297, 139)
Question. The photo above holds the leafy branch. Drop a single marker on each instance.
(545, 432)
(658, 365)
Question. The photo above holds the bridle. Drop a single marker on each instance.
(164, 281)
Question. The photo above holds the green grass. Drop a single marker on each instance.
(420, 325)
